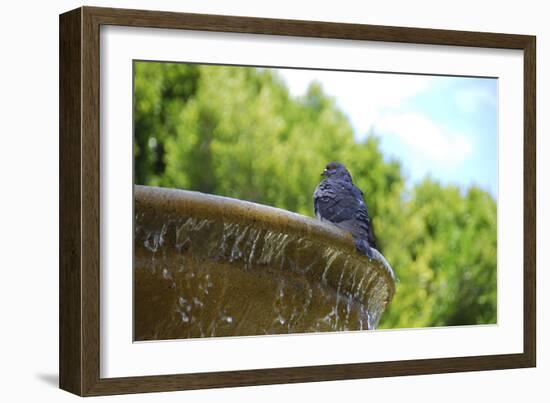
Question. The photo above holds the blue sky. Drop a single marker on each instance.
(445, 127)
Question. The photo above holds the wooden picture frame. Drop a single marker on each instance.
(79, 200)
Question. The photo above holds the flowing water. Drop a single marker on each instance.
(211, 266)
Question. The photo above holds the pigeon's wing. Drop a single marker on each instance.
(361, 224)
(342, 203)
(334, 201)
(365, 223)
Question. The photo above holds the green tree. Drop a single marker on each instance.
(161, 91)
(445, 248)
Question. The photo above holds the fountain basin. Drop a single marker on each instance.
(207, 266)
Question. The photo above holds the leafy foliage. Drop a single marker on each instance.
(237, 132)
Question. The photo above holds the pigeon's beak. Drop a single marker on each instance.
(324, 174)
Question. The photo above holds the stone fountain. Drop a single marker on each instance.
(208, 266)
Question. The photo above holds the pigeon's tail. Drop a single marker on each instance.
(363, 246)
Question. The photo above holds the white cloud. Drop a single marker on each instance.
(426, 139)
(470, 100)
(362, 96)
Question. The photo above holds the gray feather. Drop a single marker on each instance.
(338, 200)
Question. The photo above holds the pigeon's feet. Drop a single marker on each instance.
(364, 247)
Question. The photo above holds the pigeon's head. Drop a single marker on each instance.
(335, 170)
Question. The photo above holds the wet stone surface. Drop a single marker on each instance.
(205, 267)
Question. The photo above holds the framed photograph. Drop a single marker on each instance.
(249, 201)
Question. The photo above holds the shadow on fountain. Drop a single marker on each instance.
(209, 266)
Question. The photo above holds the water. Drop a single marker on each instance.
(202, 274)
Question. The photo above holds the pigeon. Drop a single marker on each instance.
(338, 200)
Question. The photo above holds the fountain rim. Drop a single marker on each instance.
(206, 205)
